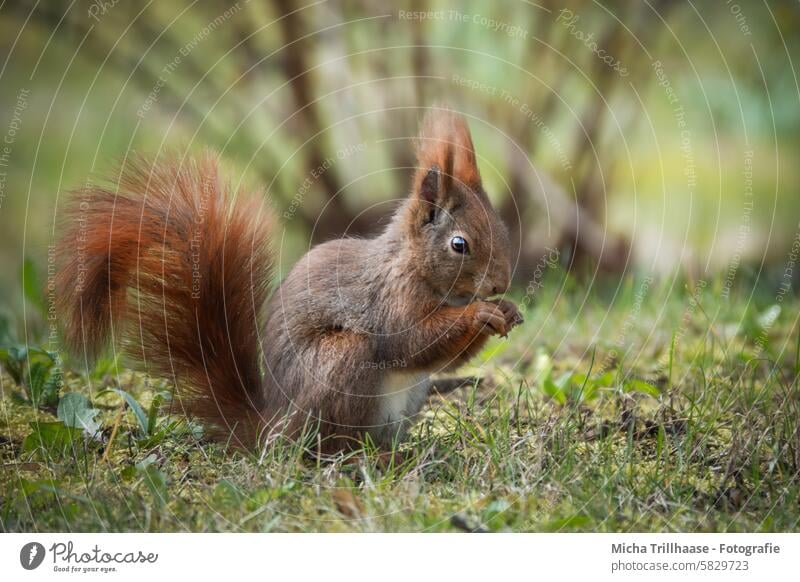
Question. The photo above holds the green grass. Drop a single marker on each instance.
(646, 407)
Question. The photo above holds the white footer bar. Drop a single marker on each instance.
(388, 557)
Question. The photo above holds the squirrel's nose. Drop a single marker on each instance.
(501, 285)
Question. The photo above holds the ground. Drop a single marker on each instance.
(634, 406)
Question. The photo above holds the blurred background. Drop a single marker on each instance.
(656, 137)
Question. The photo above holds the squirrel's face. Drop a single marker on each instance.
(457, 238)
(464, 247)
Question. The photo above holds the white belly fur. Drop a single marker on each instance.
(402, 395)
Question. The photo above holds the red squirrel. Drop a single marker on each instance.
(178, 266)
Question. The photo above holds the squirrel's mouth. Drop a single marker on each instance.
(460, 300)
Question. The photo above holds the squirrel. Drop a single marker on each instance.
(175, 263)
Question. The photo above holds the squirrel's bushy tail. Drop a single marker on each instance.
(175, 265)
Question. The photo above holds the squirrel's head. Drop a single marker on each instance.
(456, 238)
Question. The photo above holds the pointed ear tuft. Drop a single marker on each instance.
(445, 143)
(465, 166)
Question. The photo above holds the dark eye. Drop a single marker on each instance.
(459, 245)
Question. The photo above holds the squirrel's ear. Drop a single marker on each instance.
(429, 189)
(444, 153)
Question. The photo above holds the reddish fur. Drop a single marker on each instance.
(451, 336)
(445, 141)
(140, 267)
(129, 263)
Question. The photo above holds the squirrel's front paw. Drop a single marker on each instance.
(511, 315)
(492, 318)
(510, 312)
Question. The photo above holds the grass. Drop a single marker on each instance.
(642, 407)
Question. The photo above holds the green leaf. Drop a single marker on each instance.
(51, 387)
(138, 411)
(152, 415)
(606, 380)
(642, 386)
(35, 370)
(585, 389)
(53, 438)
(43, 384)
(543, 375)
(154, 480)
(128, 473)
(76, 411)
(37, 377)
(557, 389)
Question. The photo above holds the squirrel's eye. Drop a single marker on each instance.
(459, 245)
